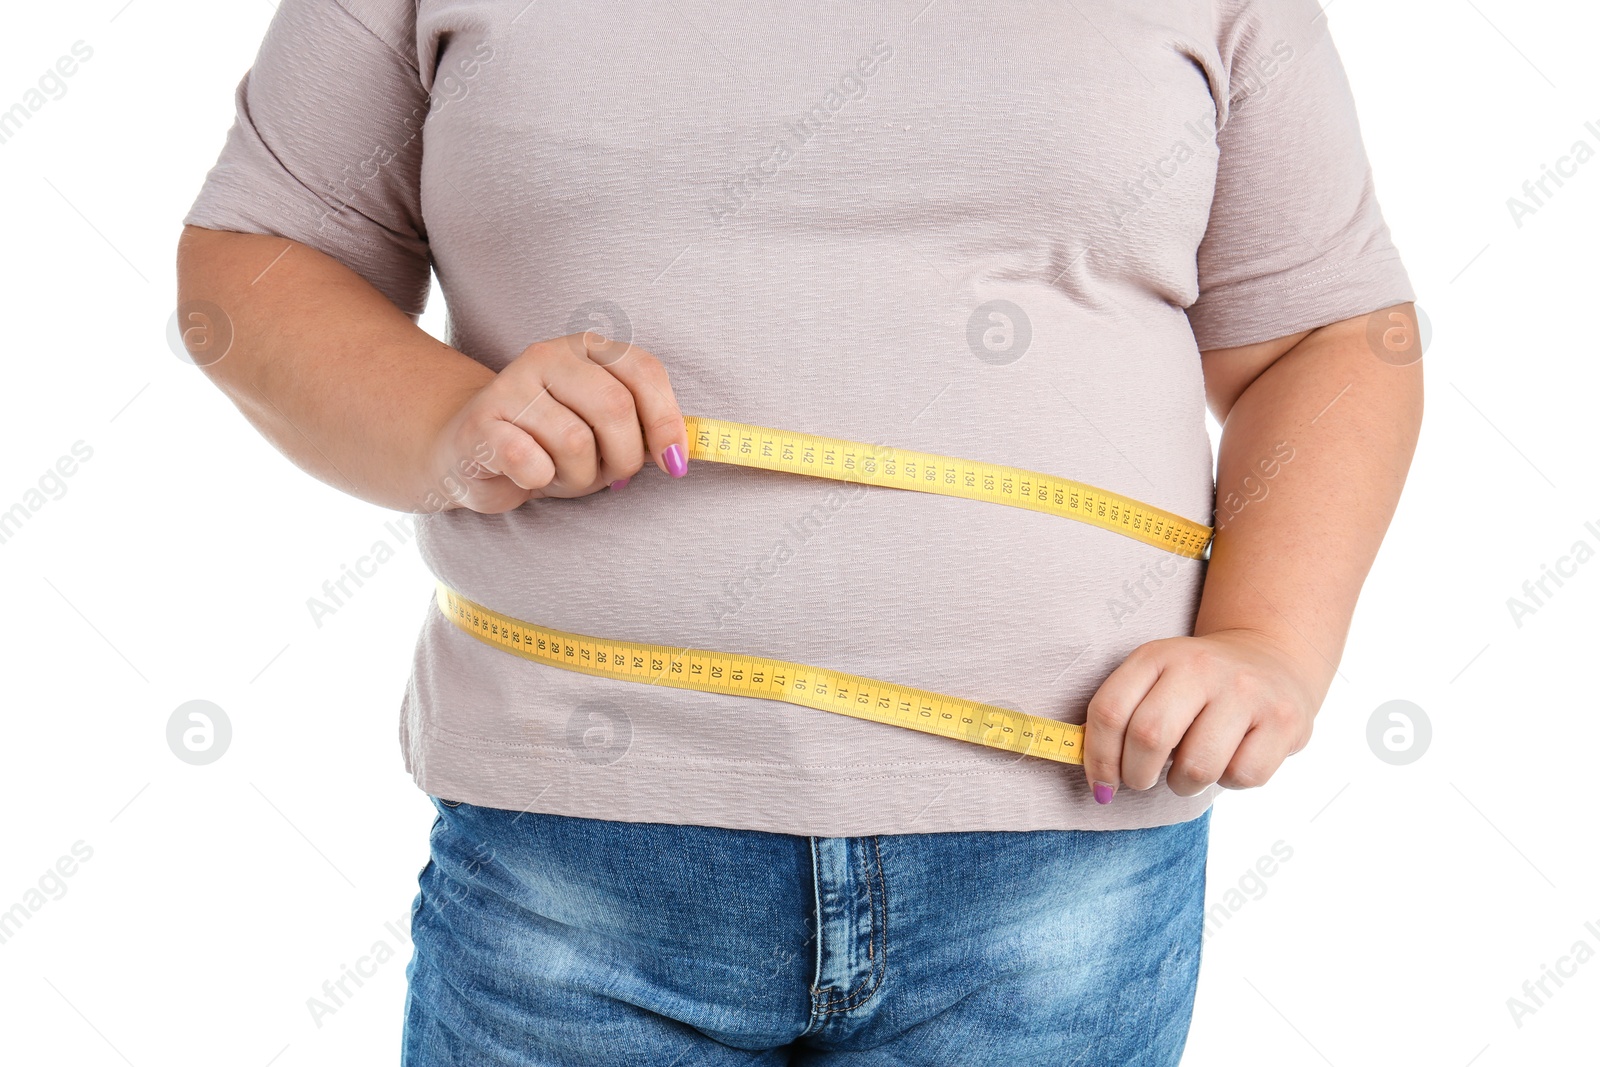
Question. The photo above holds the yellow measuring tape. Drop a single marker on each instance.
(898, 468)
(709, 671)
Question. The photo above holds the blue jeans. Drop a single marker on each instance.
(546, 939)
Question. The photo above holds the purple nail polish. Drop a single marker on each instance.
(619, 483)
(677, 462)
(1103, 793)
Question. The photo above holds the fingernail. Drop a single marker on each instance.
(677, 462)
(1103, 793)
(619, 483)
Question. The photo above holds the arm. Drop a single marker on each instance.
(1295, 539)
(355, 393)
(330, 372)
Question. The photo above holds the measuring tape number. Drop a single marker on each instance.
(708, 671)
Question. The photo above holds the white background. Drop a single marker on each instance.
(218, 899)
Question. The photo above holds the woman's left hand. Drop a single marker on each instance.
(1228, 707)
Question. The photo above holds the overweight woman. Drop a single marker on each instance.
(1039, 240)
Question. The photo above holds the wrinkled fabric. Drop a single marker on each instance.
(1002, 232)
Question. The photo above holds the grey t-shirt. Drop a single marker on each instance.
(1002, 232)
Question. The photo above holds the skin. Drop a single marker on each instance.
(1230, 703)
(356, 394)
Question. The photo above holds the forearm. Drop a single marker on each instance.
(1296, 536)
(338, 379)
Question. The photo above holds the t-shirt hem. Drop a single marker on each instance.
(921, 799)
(1301, 300)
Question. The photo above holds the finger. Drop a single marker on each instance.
(565, 437)
(1158, 724)
(508, 450)
(656, 408)
(472, 480)
(1207, 746)
(601, 400)
(495, 495)
(1109, 710)
(524, 394)
(1260, 754)
(459, 480)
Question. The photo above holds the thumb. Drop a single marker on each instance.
(1106, 727)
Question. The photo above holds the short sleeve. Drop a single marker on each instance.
(1295, 239)
(326, 144)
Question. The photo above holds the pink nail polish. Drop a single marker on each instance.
(677, 462)
(619, 483)
(1103, 793)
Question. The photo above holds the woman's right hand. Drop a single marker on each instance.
(566, 418)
